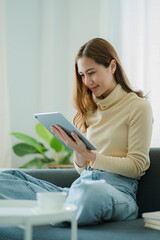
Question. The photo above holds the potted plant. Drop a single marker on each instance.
(29, 145)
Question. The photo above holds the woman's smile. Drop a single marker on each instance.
(94, 88)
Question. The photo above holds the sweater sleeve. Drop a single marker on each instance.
(79, 169)
(136, 161)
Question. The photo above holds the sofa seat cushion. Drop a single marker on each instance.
(126, 230)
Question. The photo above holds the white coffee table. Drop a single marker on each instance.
(26, 213)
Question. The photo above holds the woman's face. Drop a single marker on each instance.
(99, 79)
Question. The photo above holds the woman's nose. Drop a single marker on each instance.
(87, 80)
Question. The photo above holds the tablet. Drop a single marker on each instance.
(53, 118)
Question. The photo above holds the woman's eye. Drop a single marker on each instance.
(91, 73)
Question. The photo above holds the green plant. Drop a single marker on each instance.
(30, 145)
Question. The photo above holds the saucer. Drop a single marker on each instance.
(40, 210)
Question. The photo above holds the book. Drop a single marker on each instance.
(152, 226)
(152, 220)
(152, 215)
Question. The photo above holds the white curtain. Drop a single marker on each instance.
(53, 57)
(47, 59)
(5, 147)
(133, 28)
(141, 51)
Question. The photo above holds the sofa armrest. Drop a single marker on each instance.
(59, 177)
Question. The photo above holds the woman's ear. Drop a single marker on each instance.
(113, 65)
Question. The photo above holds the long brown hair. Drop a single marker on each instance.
(102, 52)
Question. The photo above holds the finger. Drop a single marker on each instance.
(54, 129)
(78, 140)
(68, 140)
(75, 136)
(63, 133)
(57, 133)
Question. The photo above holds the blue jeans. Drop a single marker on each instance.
(99, 195)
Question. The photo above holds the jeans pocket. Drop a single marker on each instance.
(96, 175)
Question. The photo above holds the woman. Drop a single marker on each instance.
(118, 121)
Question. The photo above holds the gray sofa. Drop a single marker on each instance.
(148, 198)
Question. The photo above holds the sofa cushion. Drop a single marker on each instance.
(126, 230)
(59, 177)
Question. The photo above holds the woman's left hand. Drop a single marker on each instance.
(76, 143)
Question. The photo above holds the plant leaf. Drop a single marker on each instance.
(35, 163)
(22, 149)
(66, 159)
(43, 132)
(56, 144)
(29, 140)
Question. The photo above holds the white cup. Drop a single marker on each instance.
(51, 200)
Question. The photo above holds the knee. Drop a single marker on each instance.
(93, 192)
(86, 192)
(89, 197)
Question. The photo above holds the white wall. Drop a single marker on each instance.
(23, 42)
(23, 34)
(43, 37)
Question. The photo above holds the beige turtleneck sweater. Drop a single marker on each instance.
(121, 129)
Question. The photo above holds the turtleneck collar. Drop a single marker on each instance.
(116, 94)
